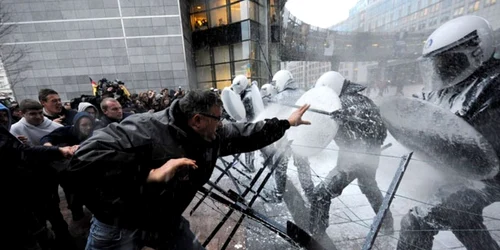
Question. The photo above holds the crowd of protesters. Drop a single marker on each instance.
(39, 137)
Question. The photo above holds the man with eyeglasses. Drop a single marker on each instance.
(138, 176)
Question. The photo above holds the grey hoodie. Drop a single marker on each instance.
(34, 133)
(82, 106)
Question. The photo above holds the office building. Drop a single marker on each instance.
(148, 44)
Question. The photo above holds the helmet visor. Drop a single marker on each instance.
(446, 69)
(450, 67)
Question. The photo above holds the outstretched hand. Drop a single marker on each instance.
(295, 118)
(68, 151)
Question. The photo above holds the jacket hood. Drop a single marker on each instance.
(80, 115)
(82, 106)
(75, 128)
(176, 118)
(2, 107)
(351, 88)
(291, 84)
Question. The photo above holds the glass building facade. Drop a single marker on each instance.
(414, 16)
(230, 38)
(148, 44)
(142, 42)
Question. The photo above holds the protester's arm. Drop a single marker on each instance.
(55, 137)
(105, 155)
(116, 149)
(166, 172)
(247, 137)
(45, 153)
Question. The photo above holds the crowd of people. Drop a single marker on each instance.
(129, 165)
(46, 124)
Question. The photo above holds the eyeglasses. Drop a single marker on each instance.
(217, 118)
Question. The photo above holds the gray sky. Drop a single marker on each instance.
(321, 13)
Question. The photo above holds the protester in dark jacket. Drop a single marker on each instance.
(82, 128)
(71, 136)
(140, 175)
(25, 224)
(112, 112)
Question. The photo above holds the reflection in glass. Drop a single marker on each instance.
(204, 74)
(197, 5)
(216, 3)
(242, 68)
(239, 11)
(222, 84)
(205, 85)
(222, 71)
(221, 54)
(255, 66)
(253, 11)
(218, 17)
(241, 51)
(245, 30)
(202, 57)
(199, 21)
(244, 50)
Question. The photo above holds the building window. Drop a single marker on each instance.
(205, 85)
(204, 74)
(476, 5)
(198, 5)
(199, 21)
(216, 3)
(239, 11)
(222, 84)
(218, 17)
(458, 11)
(222, 72)
(244, 50)
(433, 22)
(242, 68)
(253, 11)
(221, 54)
(489, 2)
(245, 30)
(202, 57)
(244, 10)
(272, 11)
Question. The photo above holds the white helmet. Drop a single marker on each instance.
(268, 90)
(240, 83)
(455, 51)
(282, 79)
(333, 80)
